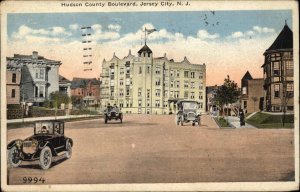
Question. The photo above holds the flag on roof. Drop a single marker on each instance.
(150, 31)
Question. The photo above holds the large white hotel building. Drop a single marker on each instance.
(148, 85)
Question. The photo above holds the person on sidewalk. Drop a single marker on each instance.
(242, 117)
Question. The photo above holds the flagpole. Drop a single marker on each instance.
(145, 35)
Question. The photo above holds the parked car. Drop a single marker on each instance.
(113, 113)
(188, 111)
(47, 141)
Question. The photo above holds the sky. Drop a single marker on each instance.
(228, 42)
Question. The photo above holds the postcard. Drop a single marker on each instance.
(149, 95)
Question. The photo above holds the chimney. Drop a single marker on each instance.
(34, 54)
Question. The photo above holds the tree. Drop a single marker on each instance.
(254, 99)
(227, 93)
(57, 98)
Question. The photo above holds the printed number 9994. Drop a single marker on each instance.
(33, 180)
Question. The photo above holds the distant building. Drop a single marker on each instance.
(148, 85)
(13, 78)
(39, 76)
(86, 89)
(211, 92)
(252, 93)
(279, 73)
(64, 85)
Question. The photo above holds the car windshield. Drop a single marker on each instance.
(48, 128)
(190, 105)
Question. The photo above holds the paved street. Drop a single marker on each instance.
(146, 149)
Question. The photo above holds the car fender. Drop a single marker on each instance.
(13, 143)
(70, 140)
(44, 144)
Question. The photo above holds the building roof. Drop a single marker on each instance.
(247, 76)
(284, 40)
(145, 49)
(83, 82)
(62, 79)
(34, 58)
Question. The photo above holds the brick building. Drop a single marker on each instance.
(13, 78)
(278, 71)
(87, 90)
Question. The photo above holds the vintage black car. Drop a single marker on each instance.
(47, 141)
(113, 113)
(188, 111)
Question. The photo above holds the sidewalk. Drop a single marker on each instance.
(49, 118)
(235, 122)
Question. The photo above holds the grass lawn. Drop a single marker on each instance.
(222, 122)
(263, 120)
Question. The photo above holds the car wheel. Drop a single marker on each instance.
(45, 158)
(68, 150)
(193, 124)
(14, 157)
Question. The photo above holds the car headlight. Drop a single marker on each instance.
(18, 143)
(35, 143)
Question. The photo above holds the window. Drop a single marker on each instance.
(166, 83)
(127, 70)
(276, 90)
(176, 94)
(127, 91)
(127, 81)
(148, 93)
(148, 103)
(186, 74)
(171, 93)
(192, 85)
(178, 74)
(14, 78)
(200, 105)
(36, 73)
(41, 91)
(200, 85)
(192, 95)
(157, 81)
(186, 84)
(112, 71)
(157, 92)
(121, 93)
(200, 76)
(140, 102)
(139, 110)
(121, 71)
(244, 90)
(121, 82)
(200, 95)
(177, 84)
(13, 93)
(157, 103)
(276, 69)
(127, 103)
(42, 73)
(139, 92)
(148, 69)
(186, 94)
(112, 83)
(172, 84)
(157, 70)
(289, 65)
(290, 90)
(245, 104)
(140, 70)
(192, 75)
(166, 94)
(121, 104)
(171, 73)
